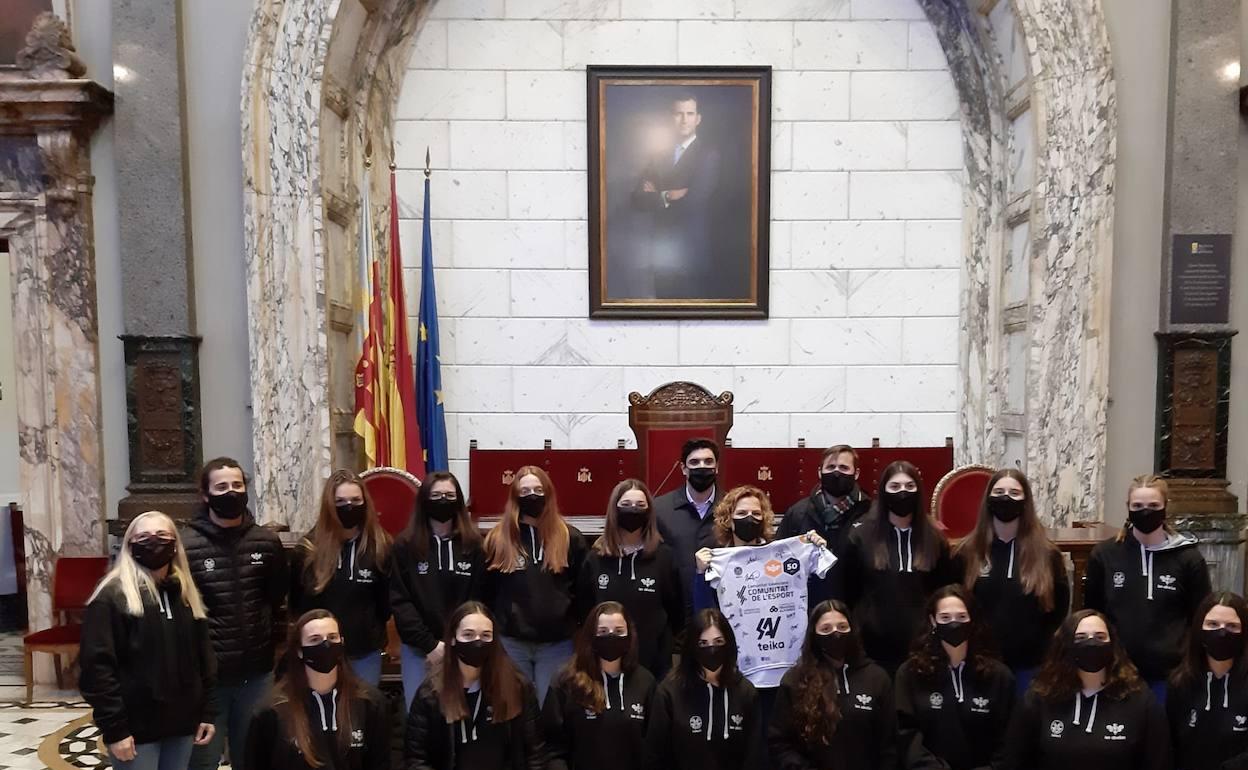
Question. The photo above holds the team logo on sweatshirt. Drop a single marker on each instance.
(1120, 580)
(422, 568)
(979, 705)
(257, 558)
(864, 703)
(519, 561)
(1241, 724)
(357, 739)
(695, 724)
(1168, 582)
(1056, 728)
(365, 575)
(647, 585)
(603, 580)
(1191, 720)
(937, 700)
(639, 711)
(1114, 731)
(735, 722)
(210, 565)
(464, 567)
(590, 714)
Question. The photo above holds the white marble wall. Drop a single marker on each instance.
(866, 239)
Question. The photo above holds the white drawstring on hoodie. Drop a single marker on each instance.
(632, 566)
(606, 689)
(450, 553)
(905, 563)
(710, 710)
(1009, 571)
(1226, 690)
(955, 673)
(538, 550)
(845, 674)
(1091, 714)
(333, 706)
(166, 607)
(1146, 568)
(350, 575)
(463, 728)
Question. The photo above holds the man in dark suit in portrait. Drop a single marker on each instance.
(678, 188)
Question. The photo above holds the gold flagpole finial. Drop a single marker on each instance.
(428, 168)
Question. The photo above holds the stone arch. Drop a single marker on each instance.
(322, 77)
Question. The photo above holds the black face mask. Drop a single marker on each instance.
(1147, 520)
(711, 658)
(442, 510)
(836, 484)
(610, 648)
(351, 514)
(531, 506)
(748, 529)
(229, 505)
(833, 646)
(1091, 655)
(1004, 508)
(1222, 644)
(631, 519)
(323, 657)
(473, 653)
(954, 633)
(152, 552)
(902, 503)
(701, 479)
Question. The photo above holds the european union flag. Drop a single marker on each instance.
(430, 413)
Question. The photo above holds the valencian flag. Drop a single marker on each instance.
(431, 413)
(370, 416)
(404, 432)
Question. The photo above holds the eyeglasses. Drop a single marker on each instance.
(634, 506)
(443, 496)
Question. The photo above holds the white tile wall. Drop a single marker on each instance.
(866, 235)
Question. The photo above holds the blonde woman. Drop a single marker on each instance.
(147, 667)
(1148, 581)
(342, 566)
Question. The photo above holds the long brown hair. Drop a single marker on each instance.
(926, 538)
(927, 656)
(723, 514)
(609, 543)
(1147, 481)
(582, 674)
(816, 709)
(417, 533)
(1035, 551)
(1194, 665)
(501, 683)
(292, 689)
(1058, 678)
(324, 542)
(502, 543)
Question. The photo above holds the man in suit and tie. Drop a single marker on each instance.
(678, 189)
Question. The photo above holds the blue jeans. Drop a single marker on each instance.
(368, 668)
(413, 662)
(169, 754)
(235, 705)
(539, 661)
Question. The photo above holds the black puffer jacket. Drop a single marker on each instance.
(242, 574)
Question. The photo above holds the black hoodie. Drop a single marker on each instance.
(425, 591)
(1020, 627)
(241, 572)
(648, 585)
(957, 721)
(579, 739)
(1150, 595)
(358, 594)
(152, 676)
(701, 727)
(865, 737)
(476, 742)
(270, 746)
(1209, 722)
(534, 605)
(816, 512)
(888, 604)
(1089, 732)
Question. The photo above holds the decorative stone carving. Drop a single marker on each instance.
(49, 53)
(679, 394)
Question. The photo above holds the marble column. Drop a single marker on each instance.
(47, 115)
(1194, 341)
(162, 366)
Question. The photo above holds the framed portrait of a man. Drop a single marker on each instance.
(679, 172)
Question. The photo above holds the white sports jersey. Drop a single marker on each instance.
(762, 592)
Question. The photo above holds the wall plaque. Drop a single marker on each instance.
(1200, 279)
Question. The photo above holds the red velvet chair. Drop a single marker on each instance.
(73, 580)
(957, 497)
(394, 493)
